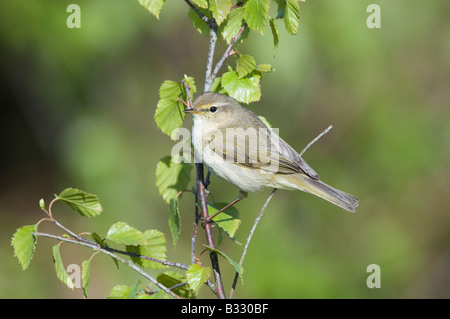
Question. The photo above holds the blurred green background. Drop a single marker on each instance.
(77, 111)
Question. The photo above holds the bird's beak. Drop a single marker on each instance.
(193, 111)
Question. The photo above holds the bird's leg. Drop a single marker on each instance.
(241, 195)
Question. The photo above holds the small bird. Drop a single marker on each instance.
(237, 146)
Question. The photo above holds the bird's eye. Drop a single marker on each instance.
(213, 109)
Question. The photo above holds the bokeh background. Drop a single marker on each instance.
(77, 111)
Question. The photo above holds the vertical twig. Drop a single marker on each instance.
(188, 92)
(194, 232)
(210, 239)
(209, 62)
(201, 196)
(201, 191)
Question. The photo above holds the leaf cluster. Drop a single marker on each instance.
(146, 249)
(233, 21)
(231, 15)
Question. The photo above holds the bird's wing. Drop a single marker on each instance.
(269, 153)
(286, 152)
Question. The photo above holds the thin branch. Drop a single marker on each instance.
(209, 79)
(201, 15)
(223, 209)
(129, 263)
(72, 234)
(92, 243)
(136, 255)
(183, 191)
(211, 285)
(315, 140)
(207, 179)
(184, 102)
(209, 237)
(188, 92)
(181, 284)
(250, 235)
(99, 248)
(228, 53)
(194, 236)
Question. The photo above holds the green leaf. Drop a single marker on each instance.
(217, 86)
(97, 238)
(120, 292)
(59, 267)
(233, 24)
(155, 247)
(199, 24)
(86, 276)
(84, 203)
(201, 3)
(196, 275)
(239, 269)
(245, 64)
(171, 177)
(191, 84)
(125, 292)
(170, 279)
(169, 113)
(170, 90)
(174, 220)
(227, 220)
(244, 90)
(276, 39)
(220, 9)
(154, 6)
(122, 233)
(24, 244)
(133, 292)
(292, 16)
(264, 68)
(42, 204)
(256, 14)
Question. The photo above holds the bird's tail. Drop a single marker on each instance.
(318, 188)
